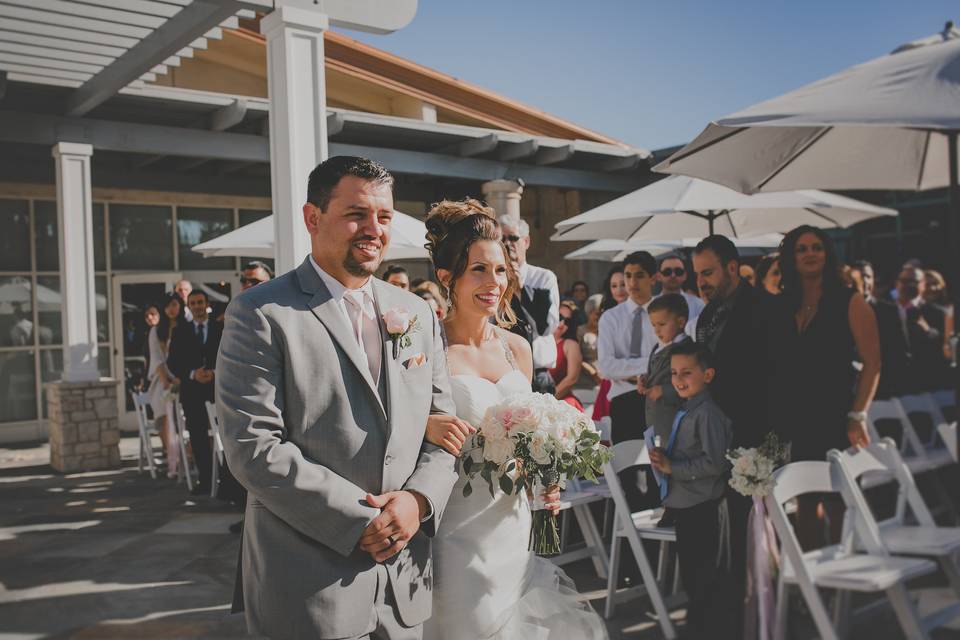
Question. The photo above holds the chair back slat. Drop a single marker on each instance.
(629, 453)
(925, 404)
(798, 478)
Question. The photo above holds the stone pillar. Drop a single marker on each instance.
(75, 227)
(298, 122)
(84, 425)
(503, 196)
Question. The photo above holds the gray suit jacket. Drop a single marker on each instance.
(660, 414)
(306, 432)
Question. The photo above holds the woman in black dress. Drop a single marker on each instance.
(819, 328)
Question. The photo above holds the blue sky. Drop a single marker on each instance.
(653, 74)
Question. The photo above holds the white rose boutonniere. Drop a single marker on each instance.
(400, 325)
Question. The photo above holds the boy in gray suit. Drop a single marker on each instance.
(668, 315)
(694, 468)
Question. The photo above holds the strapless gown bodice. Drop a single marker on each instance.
(487, 584)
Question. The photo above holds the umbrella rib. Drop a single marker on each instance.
(681, 156)
(796, 155)
(825, 217)
(726, 212)
(639, 226)
(923, 159)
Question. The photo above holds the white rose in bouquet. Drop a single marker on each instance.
(498, 451)
(541, 448)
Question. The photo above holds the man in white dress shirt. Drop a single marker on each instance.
(673, 273)
(539, 299)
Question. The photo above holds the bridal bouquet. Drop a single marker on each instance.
(534, 439)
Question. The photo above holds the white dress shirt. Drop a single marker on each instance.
(613, 346)
(544, 347)
(370, 322)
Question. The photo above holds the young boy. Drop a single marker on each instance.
(668, 315)
(694, 467)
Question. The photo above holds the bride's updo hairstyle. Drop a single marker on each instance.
(452, 228)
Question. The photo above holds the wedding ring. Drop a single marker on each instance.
(391, 541)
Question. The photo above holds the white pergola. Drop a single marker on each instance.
(99, 48)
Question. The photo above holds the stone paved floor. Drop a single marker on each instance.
(118, 555)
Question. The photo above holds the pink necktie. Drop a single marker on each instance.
(365, 329)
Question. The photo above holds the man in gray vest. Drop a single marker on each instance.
(323, 406)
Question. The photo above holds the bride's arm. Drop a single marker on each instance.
(449, 432)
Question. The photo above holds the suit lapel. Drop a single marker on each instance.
(385, 298)
(327, 310)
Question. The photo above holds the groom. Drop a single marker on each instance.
(323, 413)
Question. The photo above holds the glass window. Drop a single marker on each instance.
(196, 225)
(16, 312)
(99, 239)
(246, 217)
(45, 235)
(49, 305)
(17, 379)
(103, 309)
(15, 239)
(140, 237)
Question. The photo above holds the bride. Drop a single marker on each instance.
(487, 585)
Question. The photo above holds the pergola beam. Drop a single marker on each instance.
(553, 155)
(189, 24)
(474, 147)
(228, 116)
(517, 150)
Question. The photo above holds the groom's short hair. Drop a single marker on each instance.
(328, 173)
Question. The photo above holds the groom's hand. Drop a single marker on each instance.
(399, 520)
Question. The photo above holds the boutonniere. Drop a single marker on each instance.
(400, 326)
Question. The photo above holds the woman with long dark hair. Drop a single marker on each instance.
(614, 288)
(819, 328)
(161, 379)
(569, 357)
(768, 274)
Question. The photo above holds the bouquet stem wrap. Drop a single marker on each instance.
(545, 532)
(762, 563)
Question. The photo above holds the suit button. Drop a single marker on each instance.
(387, 459)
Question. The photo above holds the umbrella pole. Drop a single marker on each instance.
(954, 235)
(710, 218)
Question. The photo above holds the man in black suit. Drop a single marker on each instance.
(733, 326)
(895, 357)
(923, 326)
(193, 358)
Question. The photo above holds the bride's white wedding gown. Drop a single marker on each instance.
(486, 582)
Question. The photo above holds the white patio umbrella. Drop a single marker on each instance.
(682, 207)
(407, 237)
(613, 250)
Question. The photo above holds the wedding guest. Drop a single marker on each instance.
(397, 276)
(538, 302)
(818, 328)
(614, 288)
(768, 273)
(193, 359)
(162, 379)
(567, 370)
(732, 326)
(430, 292)
(694, 467)
(587, 337)
(923, 325)
(673, 275)
(748, 274)
(668, 315)
(894, 357)
(936, 294)
(255, 272)
(579, 293)
(183, 288)
(624, 344)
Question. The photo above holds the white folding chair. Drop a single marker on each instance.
(179, 422)
(946, 399)
(839, 566)
(605, 427)
(576, 499)
(892, 411)
(932, 447)
(925, 538)
(218, 454)
(635, 527)
(140, 402)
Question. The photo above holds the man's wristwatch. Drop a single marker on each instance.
(857, 416)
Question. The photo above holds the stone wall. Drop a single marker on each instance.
(83, 425)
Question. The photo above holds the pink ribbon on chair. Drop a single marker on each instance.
(763, 559)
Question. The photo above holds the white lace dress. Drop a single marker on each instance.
(487, 585)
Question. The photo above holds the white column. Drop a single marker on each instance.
(75, 229)
(503, 196)
(298, 122)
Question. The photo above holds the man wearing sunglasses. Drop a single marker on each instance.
(673, 273)
(254, 273)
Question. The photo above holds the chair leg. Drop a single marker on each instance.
(215, 477)
(783, 608)
(612, 574)
(821, 618)
(841, 611)
(592, 537)
(140, 455)
(906, 613)
(951, 566)
(676, 575)
(653, 590)
(185, 464)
